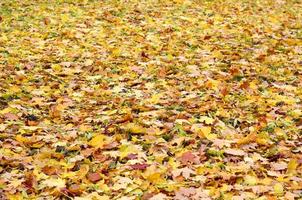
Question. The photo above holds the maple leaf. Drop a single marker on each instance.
(94, 177)
(135, 128)
(235, 152)
(188, 157)
(292, 166)
(203, 131)
(139, 166)
(185, 172)
(185, 193)
(98, 141)
(75, 189)
(278, 189)
(52, 182)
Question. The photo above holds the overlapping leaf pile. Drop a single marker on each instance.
(150, 99)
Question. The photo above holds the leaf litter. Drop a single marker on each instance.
(150, 100)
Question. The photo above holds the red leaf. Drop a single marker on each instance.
(139, 166)
(94, 177)
(188, 157)
(30, 181)
(132, 156)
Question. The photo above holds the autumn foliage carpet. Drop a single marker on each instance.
(151, 99)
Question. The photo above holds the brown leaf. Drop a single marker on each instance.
(111, 145)
(147, 195)
(202, 153)
(188, 157)
(224, 91)
(235, 152)
(46, 21)
(139, 166)
(184, 193)
(244, 85)
(30, 181)
(54, 112)
(11, 116)
(75, 189)
(207, 37)
(185, 172)
(94, 177)
(279, 166)
(87, 152)
(49, 170)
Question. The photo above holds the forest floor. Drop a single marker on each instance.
(160, 99)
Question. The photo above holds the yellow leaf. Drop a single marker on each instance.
(64, 18)
(266, 181)
(200, 170)
(155, 98)
(262, 141)
(98, 141)
(84, 128)
(103, 197)
(155, 178)
(103, 186)
(56, 67)
(292, 165)
(278, 189)
(93, 196)
(52, 182)
(204, 131)
(135, 128)
(88, 62)
(6, 110)
(170, 57)
(249, 138)
(22, 139)
(116, 52)
(250, 180)
(127, 149)
(207, 120)
(262, 198)
(3, 127)
(15, 197)
(83, 171)
(211, 136)
(16, 183)
(218, 54)
(15, 89)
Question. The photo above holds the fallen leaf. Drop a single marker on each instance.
(188, 157)
(292, 166)
(98, 141)
(278, 189)
(53, 182)
(139, 166)
(159, 196)
(278, 166)
(234, 152)
(135, 128)
(11, 116)
(94, 177)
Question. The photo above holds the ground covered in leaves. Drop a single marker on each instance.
(150, 99)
